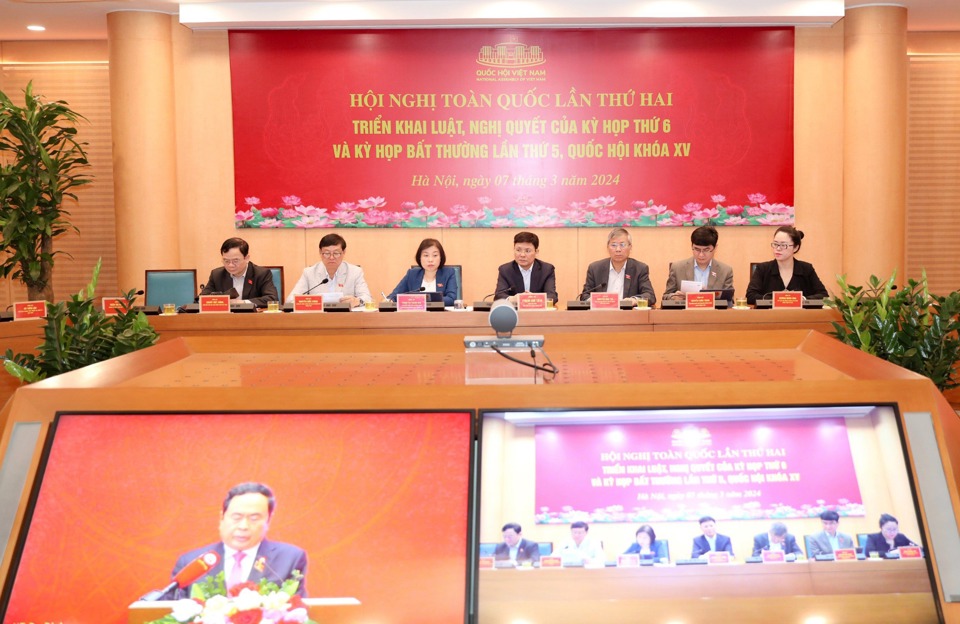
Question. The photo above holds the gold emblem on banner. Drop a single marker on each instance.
(511, 61)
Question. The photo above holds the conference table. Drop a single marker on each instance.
(863, 591)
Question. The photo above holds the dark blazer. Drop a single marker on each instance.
(258, 286)
(761, 542)
(876, 543)
(658, 548)
(636, 280)
(275, 562)
(542, 280)
(701, 545)
(766, 279)
(528, 551)
(411, 282)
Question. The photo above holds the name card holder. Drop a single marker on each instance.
(25, 310)
(485, 563)
(532, 301)
(113, 306)
(718, 557)
(308, 303)
(216, 304)
(845, 554)
(911, 552)
(701, 301)
(411, 303)
(628, 561)
(788, 299)
(604, 301)
(551, 562)
(773, 556)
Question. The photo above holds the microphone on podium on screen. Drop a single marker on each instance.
(309, 290)
(187, 575)
(597, 288)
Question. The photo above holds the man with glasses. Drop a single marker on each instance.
(333, 275)
(620, 273)
(702, 267)
(252, 283)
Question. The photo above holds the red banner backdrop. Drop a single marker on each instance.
(513, 128)
(378, 501)
(672, 472)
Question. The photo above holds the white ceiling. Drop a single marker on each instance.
(86, 19)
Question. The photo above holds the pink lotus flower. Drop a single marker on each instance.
(543, 221)
(777, 208)
(379, 217)
(706, 213)
(577, 205)
(269, 212)
(718, 198)
(500, 211)
(734, 210)
(458, 209)
(344, 216)
(541, 210)
(654, 211)
(681, 218)
(484, 201)
(607, 217)
(408, 205)
(639, 204)
(445, 220)
(691, 207)
(290, 200)
(755, 211)
(243, 215)
(473, 215)
(313, 222)
(423, 212)
(372, 202)
(776, 219)
(601, 202)
(574, 216)
(346, 206)
(271, 223)
(252, 201)
(757, 198)
(502, 223)
(736, 221)
(309, 211)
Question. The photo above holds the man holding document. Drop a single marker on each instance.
(333, 275)
(701, 271)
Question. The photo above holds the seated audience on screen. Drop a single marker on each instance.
(245, 553)
(251, 282)
(710, 541)
(648, 546)
(581, 549)
(526, 273)
(432, 276)
(333, 275)
(619, 273)
(701, 267)
(889, 538)
(785, 272)
(776, 538)
(829, 540)
(514, 547)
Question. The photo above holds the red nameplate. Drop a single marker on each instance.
(214, 303)
(628, 561)
(23, 310)
(604, 301)
(411, 303)
(701, 300)
(845, 554)
(718, 557)
(773, 556)
(485, 563)
(911, 552)
(532, 301)
(113, 306)
(788, 299)
(550, 562)
(308, 303)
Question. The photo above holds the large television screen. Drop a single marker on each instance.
(378, 502)
(567, 495)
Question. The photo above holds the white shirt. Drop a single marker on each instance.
(526, 274)
(588, 552)
(615, 280)
(429, 286)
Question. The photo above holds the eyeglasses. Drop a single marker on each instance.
(781, 246)
(331, 254)
(232, 261)
(618, 245)
(702, 250)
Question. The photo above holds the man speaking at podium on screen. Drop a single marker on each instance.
(244, 553)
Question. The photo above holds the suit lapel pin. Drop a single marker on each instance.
(260, 564)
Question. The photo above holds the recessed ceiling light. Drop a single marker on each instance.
(36, 28)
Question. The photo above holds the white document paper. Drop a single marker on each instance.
(689, 286)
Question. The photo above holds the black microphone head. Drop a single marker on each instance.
(325, 280)
(139, 292)
(503, 318)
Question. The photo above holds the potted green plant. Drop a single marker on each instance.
(909, 326)
(44, 163)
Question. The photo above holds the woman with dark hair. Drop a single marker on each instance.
(647, 545)
(889, 538)
(785, 272)
(431, 275)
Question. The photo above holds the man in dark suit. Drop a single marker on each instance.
(244, 552)
(252, 283)
(620, 273)
(515, 547)
(526, 273)
(710, 541)
(776, 538)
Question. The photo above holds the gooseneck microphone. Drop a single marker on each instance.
(309, 290)
(597, 288)
(187, 575)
